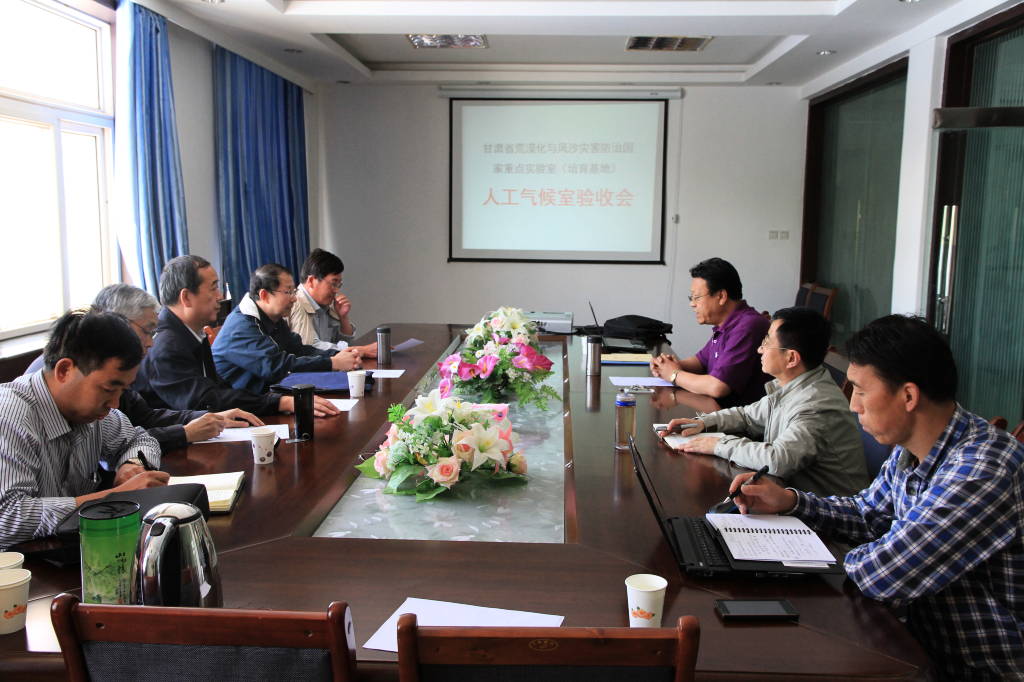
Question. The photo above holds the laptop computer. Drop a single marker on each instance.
(698, 548)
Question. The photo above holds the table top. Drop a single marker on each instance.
(268, 559)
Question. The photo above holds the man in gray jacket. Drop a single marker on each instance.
(803, 429)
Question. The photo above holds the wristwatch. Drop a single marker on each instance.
(136, 461)
(672, 379)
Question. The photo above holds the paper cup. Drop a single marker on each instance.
(13, 599)
(263, 442)
(645, 597)
(356, 383)
(11, 560)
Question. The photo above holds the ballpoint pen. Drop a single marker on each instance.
(753, 479)
(145, 462)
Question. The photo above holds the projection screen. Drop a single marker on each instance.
(557, 180)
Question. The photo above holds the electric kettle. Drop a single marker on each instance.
(177, 563)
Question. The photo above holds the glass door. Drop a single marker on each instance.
(978, 252)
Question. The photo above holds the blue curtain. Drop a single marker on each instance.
(153, 183)
(261, 169)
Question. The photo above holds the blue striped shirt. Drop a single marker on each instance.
(45, 462)
(943, 538)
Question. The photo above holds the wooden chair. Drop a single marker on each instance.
(875, 453)
(211, 333)
(1018, 432)
(471, 654)
(157, 643)
(821, 299)
(803, 293)
(999, 422)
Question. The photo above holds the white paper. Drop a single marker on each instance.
(387, 373)
(242, 433)
(432, 612)
(343, 404)
(406, 345)
(639, 381)
(674, 440)
(768, 537)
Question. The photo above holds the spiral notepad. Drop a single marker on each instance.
(764, 537)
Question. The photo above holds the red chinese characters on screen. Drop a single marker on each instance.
(548, 196)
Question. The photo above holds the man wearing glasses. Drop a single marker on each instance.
(320, 315)
(726, 368)
(803, 429)
(255, 348)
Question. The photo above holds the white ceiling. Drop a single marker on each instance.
(562, 42)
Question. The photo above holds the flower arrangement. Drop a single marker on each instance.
(501, 356)
(442, 441)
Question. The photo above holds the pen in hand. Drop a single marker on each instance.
(145, 462)
(753, 479)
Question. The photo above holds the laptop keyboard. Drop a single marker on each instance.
(705, 544)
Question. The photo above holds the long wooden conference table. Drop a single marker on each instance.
(268, 559)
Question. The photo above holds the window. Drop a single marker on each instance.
(56, 119)
(854, 146)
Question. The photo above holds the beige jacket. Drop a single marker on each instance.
(301, 320)
(804, 431)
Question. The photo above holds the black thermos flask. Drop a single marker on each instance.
(303, 394)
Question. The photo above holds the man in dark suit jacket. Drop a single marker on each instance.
(178, 371)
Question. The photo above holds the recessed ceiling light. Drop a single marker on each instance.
(293, 50)
(214, 2)
(908, 2)
(825, 53)
(446, 40)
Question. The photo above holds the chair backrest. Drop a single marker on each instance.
(875, 453)
(803, 293)
(155, 643)
(821, 299)
(999, 422)
(546, 654)
(1018, 432)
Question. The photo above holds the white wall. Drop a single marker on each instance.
(192, 73)
(735, 171)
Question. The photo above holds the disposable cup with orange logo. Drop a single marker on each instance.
(13, 599)
(645, 598)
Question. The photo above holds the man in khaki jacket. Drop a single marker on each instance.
(803, 429)
(320, 315)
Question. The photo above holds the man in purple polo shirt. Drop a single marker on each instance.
(728, 367)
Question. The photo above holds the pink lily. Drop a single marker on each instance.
(446, 387)
(487, 364)
(468, 370)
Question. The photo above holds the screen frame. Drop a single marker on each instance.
(658, 232)
(730, 609)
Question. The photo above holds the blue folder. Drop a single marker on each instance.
(324, 381)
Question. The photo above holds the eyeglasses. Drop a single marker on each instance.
(286, 292)
(333, 285)
(691, 298)
(764, 345)
(148, 331)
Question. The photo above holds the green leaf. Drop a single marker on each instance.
(399, 476)
(395, 413)
(430, 494)
(366, 468)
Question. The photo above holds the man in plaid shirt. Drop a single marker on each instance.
(940, 529)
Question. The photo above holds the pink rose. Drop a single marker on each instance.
(517, 463)
(445, 472)
(487, 364)
(500, 340)
(392, 435)
(380, 462)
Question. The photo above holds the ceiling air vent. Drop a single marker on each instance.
(667, 43)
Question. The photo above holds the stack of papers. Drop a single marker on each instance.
(244, 433)
(675, 440)
(768, 537)
(626, 358)
(221, 489)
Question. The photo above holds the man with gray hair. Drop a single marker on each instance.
(173, 429)
(178, 371)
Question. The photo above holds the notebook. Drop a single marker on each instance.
(221, 489)
(701, 550)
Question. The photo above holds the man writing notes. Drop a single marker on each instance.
(940, 530)
(179, 371)
(255, 348)
(803, 429)
(58, 424)
(727, 367)
(320, 315)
